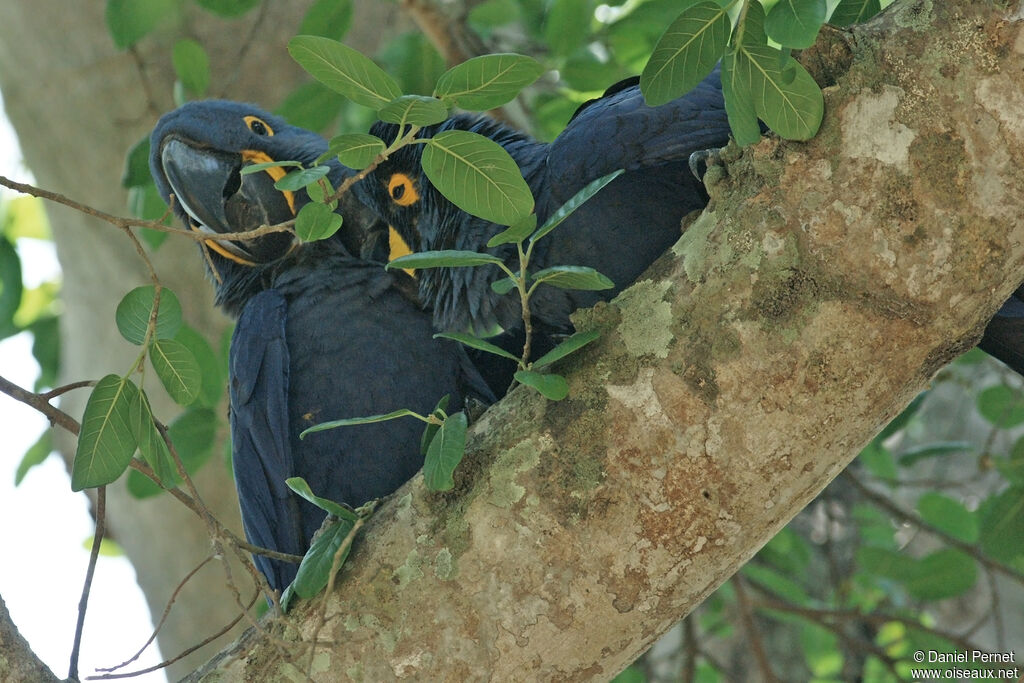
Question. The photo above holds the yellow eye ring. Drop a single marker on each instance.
(258, 126)
(402, 190)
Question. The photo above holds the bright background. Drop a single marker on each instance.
(47, 528)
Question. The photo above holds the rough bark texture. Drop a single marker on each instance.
(78, 105)
(821, 290)
(17, 662)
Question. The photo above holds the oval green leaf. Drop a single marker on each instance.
(503, 286)
(414, 110)
(130, 20)
(570, 345)
(783, 94)
(355, 150)
(1001, 522)
(565, 210)
(432, 427)
(135, 308)
(192, 434)
(106, 442)
(298, 179)
(739, 100)
(477, 175)
(228, 8)
(854, 11)
(949, 515)
(476, 343)
(487, 82)
(573, 277)
(299, 485)
(316, 222)
(315, 571)
(211, 373)
(262, 166)
(349, 421)
(344, 70)
(686, 53)
(795, 23)
(445, 453)
(152, 446)
(517, 232)
(177, 369)
(191, 65)
(327, 18)
(550, 386)
(1002, 406)
(943, 574)
(567, 25)
(446, 258)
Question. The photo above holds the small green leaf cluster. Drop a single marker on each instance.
(760, 79)
(118, 420)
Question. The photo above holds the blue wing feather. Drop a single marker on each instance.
(262, 454)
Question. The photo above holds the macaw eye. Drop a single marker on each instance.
(402, 190)
(258, 126)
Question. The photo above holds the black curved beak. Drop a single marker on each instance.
(219, 200)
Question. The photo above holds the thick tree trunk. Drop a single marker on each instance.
(78, 106)
(817, 295)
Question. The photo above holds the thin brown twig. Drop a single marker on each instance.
(125, 223)
(83, 603)
(184, 653)
(55, 415)
(750, 626)
(163, 617)
(61, 390)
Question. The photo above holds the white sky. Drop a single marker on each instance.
(46, 526)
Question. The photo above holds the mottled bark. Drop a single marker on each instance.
(820, 291)
(78, 105)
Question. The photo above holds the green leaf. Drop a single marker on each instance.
(517, 232)
(795, 23)
(1001, 519)
(487, 82)
(344, 70)
(415, 110)
(686, 53)
(35, 455)
(46, 350)
(1002, 406)
(784, 95)
(570, 345)
(355, 150)
(316, 222)
(854, 11)
(432, 427)
(821, 651)
(228, 8)
(788, 552)
(503, 286)
(567, 25)
(477, 175)
(177, 369)
(550, 386)
(135, 308)
(262, 166)
(1012, 468)
(775, 582)
(349, 421)
(312, 106)
(212, 379)
(152, 447)
(298, 179)
(476, 343)
(887, 563)
(105, 443)
(136, 165)
(130, 20)
(446, 258)
(320, 191)
(191, 65)
(565, 210)
(573, 277)
(948, 515)
(11, 288)
(878, 460)
(414, 61)
(315, 571)
(445, 453)
(739, 102)
(327, 18)
(943, 574)
(192, 434)
(299, 485)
